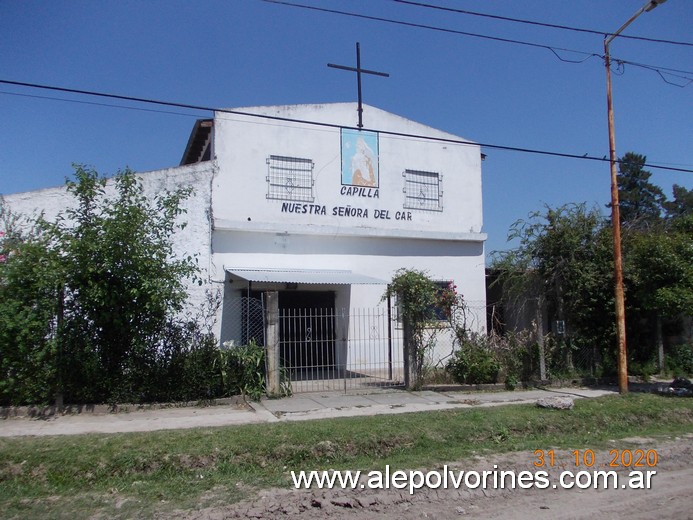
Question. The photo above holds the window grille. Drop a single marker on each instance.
(423, 190)
(290, 178)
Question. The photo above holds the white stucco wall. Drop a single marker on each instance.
(254, 230)
(243, 145)
(194, 239)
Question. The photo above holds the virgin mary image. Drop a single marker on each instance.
(362, 169)
(359, 158)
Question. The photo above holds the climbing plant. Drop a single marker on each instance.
(421, 303)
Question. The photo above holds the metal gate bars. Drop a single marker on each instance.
(339, 350)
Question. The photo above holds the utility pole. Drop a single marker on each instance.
(615, 211)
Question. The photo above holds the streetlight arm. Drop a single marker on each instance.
(651, 4)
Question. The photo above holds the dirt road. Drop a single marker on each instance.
(671, 495)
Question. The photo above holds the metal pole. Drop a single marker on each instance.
(389, 336)
(358, 79)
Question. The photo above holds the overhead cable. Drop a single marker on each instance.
(322, 124)
(662, 71)
(540, 24)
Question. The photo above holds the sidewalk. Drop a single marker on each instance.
(301, 407)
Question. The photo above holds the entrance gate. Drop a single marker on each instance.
(326, 349)
(323, 349)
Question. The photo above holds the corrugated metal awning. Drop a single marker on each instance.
(310, 276)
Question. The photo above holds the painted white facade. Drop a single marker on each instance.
(367, 230)
(239, 219)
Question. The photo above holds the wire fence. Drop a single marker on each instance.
(327, 349)
(517, 352)
(242, 322)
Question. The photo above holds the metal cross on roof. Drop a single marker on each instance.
(358, 70)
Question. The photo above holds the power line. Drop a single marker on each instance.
(540, 24)
(439, 29)
(663, 72)
(108, 105)
(320, 124)
(553, 49)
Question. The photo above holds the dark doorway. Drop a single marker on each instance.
(307, 331)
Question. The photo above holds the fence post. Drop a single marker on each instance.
(539, 332)
(660, 345)
(272, 343)
(389, 337)
(411, 365)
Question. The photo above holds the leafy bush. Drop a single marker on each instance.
(123, 283)
(474, 362)
(188, 367)
(680, 360)
(518, 356)
(29, 302)
(643, 369)
(245, 370)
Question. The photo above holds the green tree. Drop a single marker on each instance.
(681, 205)
(30, 274)
(660, 281)
(654, 250)
(91, 304)
(122, 282)
(663, 265)
(564, 259)
(640, 201)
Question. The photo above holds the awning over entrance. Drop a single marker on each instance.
(306, 276)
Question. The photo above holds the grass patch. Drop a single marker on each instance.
(122, 475)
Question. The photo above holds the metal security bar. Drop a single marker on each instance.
(290, 178)
(422, 190)
(329, 350)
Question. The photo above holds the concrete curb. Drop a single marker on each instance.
(10, 412)
(36, 411)
(301, 407)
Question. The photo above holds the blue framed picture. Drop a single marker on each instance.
(360, 158)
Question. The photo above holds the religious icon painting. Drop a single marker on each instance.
(360, 158)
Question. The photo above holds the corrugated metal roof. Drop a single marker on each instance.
(310, 276)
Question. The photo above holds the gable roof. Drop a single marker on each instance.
(200, 143)
(346, 115)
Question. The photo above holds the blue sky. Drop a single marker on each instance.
(238, 53)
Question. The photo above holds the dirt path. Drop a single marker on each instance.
(671, 495)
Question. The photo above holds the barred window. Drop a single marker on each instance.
(442, 309)
(423, 190)
(290, 178)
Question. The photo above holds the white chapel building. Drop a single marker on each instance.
(297, 200)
